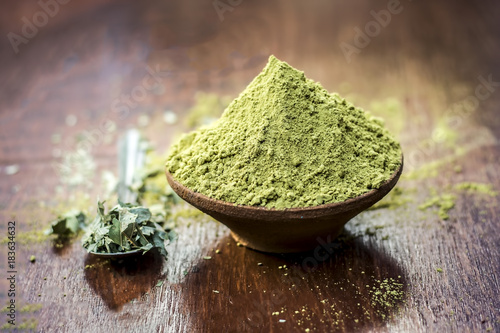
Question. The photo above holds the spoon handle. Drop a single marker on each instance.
(131, 157)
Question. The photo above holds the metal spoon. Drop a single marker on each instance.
(131, 157)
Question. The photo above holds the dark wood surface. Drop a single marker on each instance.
(428, 65)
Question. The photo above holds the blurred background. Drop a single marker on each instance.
(75, 68)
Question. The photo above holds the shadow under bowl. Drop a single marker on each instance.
(284, 230)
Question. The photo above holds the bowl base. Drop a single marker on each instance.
(294, 247)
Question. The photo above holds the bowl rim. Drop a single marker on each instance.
(202, 201)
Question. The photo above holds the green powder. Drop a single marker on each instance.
(445, 203)
(477, 187)
(286, 142)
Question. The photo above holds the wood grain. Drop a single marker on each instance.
(88, 59)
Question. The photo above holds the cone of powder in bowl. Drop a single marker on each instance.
(286, 163)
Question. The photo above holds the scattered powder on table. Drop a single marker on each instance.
(444, 202)
(286, 142)
(477, 188)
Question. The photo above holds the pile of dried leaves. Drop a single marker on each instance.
(125, 228)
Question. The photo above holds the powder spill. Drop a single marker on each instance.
(398, 197)
(444, 202)
(477, 187)
(286, 142)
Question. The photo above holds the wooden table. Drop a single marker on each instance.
(429, 68)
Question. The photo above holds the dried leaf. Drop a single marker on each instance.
(68, 225)
(125, 228)
(115, 232)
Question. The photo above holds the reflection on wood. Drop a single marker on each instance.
(344, 286)
(120, 281)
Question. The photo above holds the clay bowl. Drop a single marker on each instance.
(287, 230)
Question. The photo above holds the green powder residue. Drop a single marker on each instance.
(398, 197)
(385, 295)
(29, 324)
(444, 203)
(28, 237)
(477, 187)
(286, 142)
(427, 170)
(30, 308)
